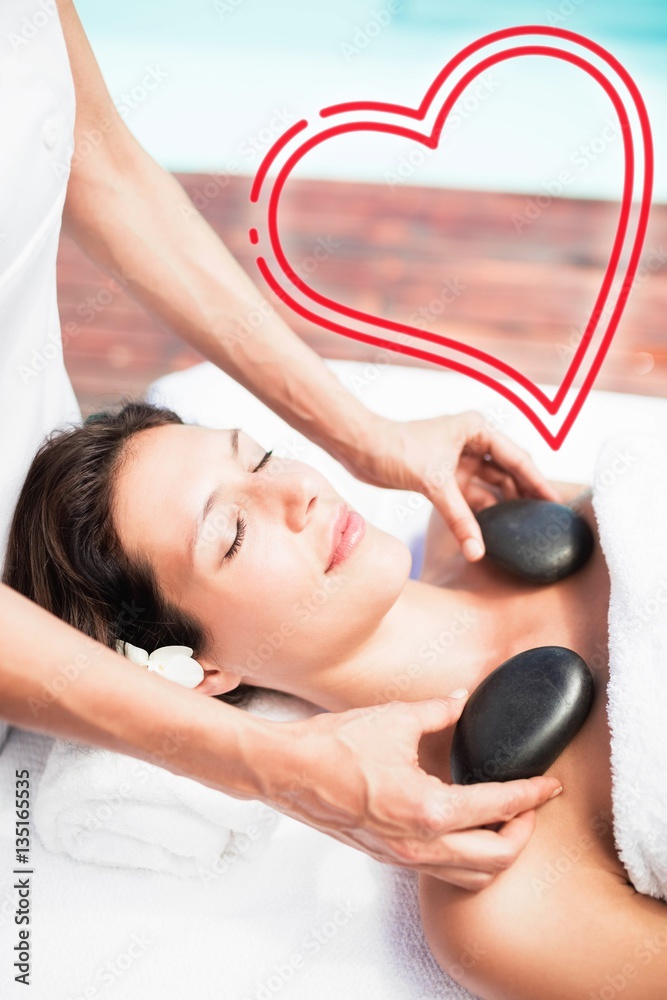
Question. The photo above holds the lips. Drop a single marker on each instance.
(348, 529)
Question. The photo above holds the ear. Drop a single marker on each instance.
(217, 680)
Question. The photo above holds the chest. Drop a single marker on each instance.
(571, 613)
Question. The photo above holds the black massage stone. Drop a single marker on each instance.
(537, 540)
(522, 716)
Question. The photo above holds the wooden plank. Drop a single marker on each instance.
(525, 291)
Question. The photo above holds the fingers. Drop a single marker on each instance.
(472, 859)
(460, 519)
(490, 853)
(506, 465)
(491, 473)
(479, 496)
(487, 851)
(464, 878)
(486, 854)
(435, 714)
(508, 456)
(518, 832)
(495, 802)
(518, 463)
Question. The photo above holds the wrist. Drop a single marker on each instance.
(226, 748)
(275, 760)
(265, 758)
(281, 763)
(259, 753)
(380, 453)
(358, 444)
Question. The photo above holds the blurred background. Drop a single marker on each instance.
(478, 239)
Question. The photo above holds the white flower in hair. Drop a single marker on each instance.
(173, 662)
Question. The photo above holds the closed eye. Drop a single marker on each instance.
(264, 461)
(241, 523)
(236, 544)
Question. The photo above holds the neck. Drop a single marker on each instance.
(432, 641)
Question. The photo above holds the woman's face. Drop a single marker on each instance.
(274, 609)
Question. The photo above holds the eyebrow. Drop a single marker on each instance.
(211, 499)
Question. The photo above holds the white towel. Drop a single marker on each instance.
(112, 809)
(629, 491)
(310, 917)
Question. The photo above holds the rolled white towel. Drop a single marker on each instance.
(629, 492)
(111, 809)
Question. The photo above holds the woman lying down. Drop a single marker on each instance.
(137, 527)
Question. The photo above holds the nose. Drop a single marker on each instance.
(296, 490)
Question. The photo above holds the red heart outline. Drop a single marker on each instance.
(431, 140)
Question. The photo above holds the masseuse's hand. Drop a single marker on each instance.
(439, 457)
(355, 775)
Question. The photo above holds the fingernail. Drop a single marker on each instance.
(556, 792)
(472, 549)
(459, 693)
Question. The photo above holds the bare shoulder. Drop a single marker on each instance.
(545, 931)
(444, 563)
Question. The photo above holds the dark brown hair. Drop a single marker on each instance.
(63, 551)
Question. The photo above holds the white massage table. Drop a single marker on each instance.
(309, 919)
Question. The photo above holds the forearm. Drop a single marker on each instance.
(134, 219)
(54, 679)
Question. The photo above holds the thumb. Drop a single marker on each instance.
(434, 714)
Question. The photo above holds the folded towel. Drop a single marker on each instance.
(629, 490)
(112, 809)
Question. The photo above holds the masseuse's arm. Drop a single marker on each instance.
(132, 216)
(353, 775)
(357, 774)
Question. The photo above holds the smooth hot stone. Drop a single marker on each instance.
(522, 716)
(537, 540)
